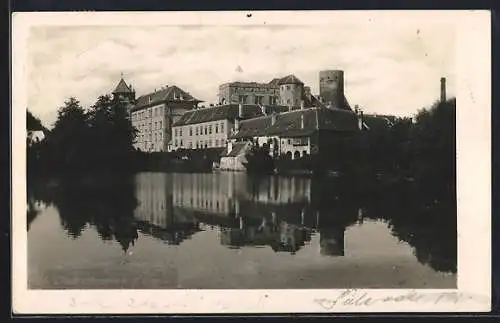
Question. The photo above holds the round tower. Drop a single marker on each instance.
(291, 91)
(331, 88)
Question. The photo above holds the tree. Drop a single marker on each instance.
(68, 141)
(112, 134)
(433, 147)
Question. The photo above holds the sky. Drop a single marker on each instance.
(388, 68)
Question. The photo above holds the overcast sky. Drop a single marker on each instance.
(388, 68)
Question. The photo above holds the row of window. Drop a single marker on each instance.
(200, 143)
(147, 113)
(199, 202)
(288, 102)
(201, 130)
(258, 99)
(144, 126)
(157, 136)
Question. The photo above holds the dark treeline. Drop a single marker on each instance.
(98, 139)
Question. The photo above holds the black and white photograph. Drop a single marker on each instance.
(310, 157)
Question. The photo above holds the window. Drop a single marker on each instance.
(288, 87)
(175, 142)
(216, 128)
(181, 142)
(222, 127)
(242, 99)
(161, 124)
(180, 131)
(175, 132)
(190, 131)
(205, 129)
(289, 141)
(154, 136)
(210, 129)
(216, 142)
(258, 99)
(288, 101)
(196, 128)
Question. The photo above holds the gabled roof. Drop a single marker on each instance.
(374, 122)
(289, 124)
(225, 112)
(290, 79)
(170, 93)
(122, 87)
(274, 82)
(238, 148)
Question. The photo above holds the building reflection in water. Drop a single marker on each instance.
(156, 215)
(272, 211)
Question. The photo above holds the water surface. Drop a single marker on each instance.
(230, 230)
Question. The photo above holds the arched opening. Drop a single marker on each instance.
(288, 155)
(304, 153)
(296, 155)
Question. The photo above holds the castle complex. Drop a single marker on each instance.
(283, 114)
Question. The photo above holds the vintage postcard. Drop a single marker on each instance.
(251, 162)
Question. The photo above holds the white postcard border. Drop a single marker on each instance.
(473, 164)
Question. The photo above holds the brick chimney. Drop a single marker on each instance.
(443, 89)
(301, 121)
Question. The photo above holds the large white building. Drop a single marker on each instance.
(153, 114)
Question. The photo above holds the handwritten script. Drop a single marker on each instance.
(353, 297)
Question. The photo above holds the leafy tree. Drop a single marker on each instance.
(68, 141)
(112, 134)
(433, 148)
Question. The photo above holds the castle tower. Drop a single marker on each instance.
(291, 91)
(124, 93)
(331, 88)
(332, 241)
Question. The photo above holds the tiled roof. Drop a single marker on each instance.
(372, 122)
(170, 93)
(238, 148)
(224, 112)
(290, 79)
(274, 82)
(289, 123)
(122, 87)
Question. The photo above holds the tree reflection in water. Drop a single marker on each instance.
(106, 204)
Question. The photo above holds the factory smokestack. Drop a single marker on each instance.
(443, 89)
